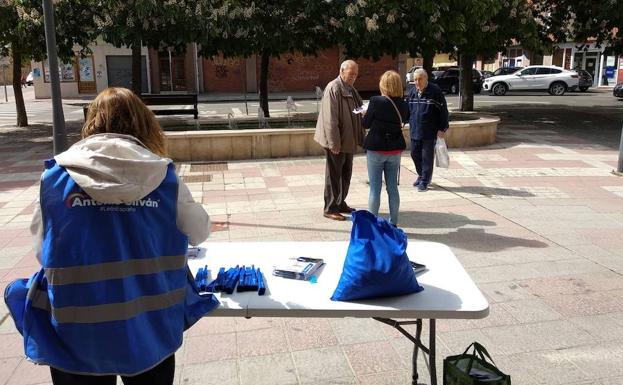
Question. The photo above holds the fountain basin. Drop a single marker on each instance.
(219, 145)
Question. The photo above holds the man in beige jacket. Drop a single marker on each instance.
(339, 131)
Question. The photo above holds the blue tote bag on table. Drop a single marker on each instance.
(376, 263)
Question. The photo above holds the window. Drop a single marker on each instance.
(528, 71)
(451, 73)
(66, 71)
(554, 71)
(543, 71)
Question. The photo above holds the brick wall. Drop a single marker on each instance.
(295, 72)
(223, 75)
(370, 72)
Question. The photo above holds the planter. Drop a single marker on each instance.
(220, 145)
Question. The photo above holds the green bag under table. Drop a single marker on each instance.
(473, 369)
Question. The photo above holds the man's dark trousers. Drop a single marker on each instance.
(338, 172)
(423, 155)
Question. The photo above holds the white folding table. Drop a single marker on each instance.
(449, 292)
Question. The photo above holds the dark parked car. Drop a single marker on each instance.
(618, 90)
(486, 74)
(505, 71)
(586, 80)
(448, 81)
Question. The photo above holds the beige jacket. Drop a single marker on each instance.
(115, 168)
(337, 127)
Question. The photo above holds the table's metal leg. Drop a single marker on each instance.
(432, 364)
(416, 348)
(417, 344)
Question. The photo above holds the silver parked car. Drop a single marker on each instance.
(553, 79)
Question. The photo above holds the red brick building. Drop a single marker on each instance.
(290, 72)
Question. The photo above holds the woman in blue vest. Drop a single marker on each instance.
(384, 143)
(114, 293)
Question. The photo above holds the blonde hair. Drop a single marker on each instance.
(119, 111)
(391, 84)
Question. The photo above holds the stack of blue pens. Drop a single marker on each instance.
(246, 278)
(201, 279)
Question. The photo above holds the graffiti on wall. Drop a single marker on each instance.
(294, 71)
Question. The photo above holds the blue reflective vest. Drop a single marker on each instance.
(114, 294)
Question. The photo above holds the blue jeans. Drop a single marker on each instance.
(379, 164)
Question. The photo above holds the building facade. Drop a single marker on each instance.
(167, 72)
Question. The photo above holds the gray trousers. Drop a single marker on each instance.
(337, 176)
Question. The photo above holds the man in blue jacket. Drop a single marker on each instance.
(428, 121)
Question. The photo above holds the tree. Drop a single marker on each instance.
(151, 23)
(22, 36)
(465, 28)
(485, 27)
(374, 28)
(580, 20)
(265, 28)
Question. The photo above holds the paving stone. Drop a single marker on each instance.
(400, 377)
(211, 373)
(324, 364)
(28, 373)
(372, 357)
(538, 368)
(210, 347)
(268, 341)
(537, 336)
(8, 367)
(503, 291)
(277, 369)
(531, 310)
(585, 304)
(305, 334)
(596, 360)
(356, 330)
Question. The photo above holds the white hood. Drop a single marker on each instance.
(114, 168)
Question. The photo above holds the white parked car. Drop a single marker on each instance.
(409, 75)
(553, 79)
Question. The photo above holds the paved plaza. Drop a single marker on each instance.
(536, 220)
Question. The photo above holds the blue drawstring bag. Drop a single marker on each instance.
(376, 263)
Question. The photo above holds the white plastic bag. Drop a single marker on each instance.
(442, 159)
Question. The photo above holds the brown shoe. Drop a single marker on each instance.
(347, 210)
(335, 216)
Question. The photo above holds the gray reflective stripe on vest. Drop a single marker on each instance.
(113, 270)
(108, 312)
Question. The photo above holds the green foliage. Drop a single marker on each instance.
(242, 28)
(372, 28)
(154, 23)
(22, 27)
(581, 20)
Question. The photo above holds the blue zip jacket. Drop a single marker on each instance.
(428, 113)
(113, 295)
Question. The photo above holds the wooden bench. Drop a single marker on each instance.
(167, 100)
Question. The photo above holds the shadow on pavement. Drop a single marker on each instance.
(435, 220)
(478, 240)
(488, 191)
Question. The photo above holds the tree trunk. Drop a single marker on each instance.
(264, 84)
(467, 89)
(427, 62)
(22, 118)
(137, 70)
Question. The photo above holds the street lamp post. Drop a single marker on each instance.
(59, 136)
(620, 164)
(6, 97)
